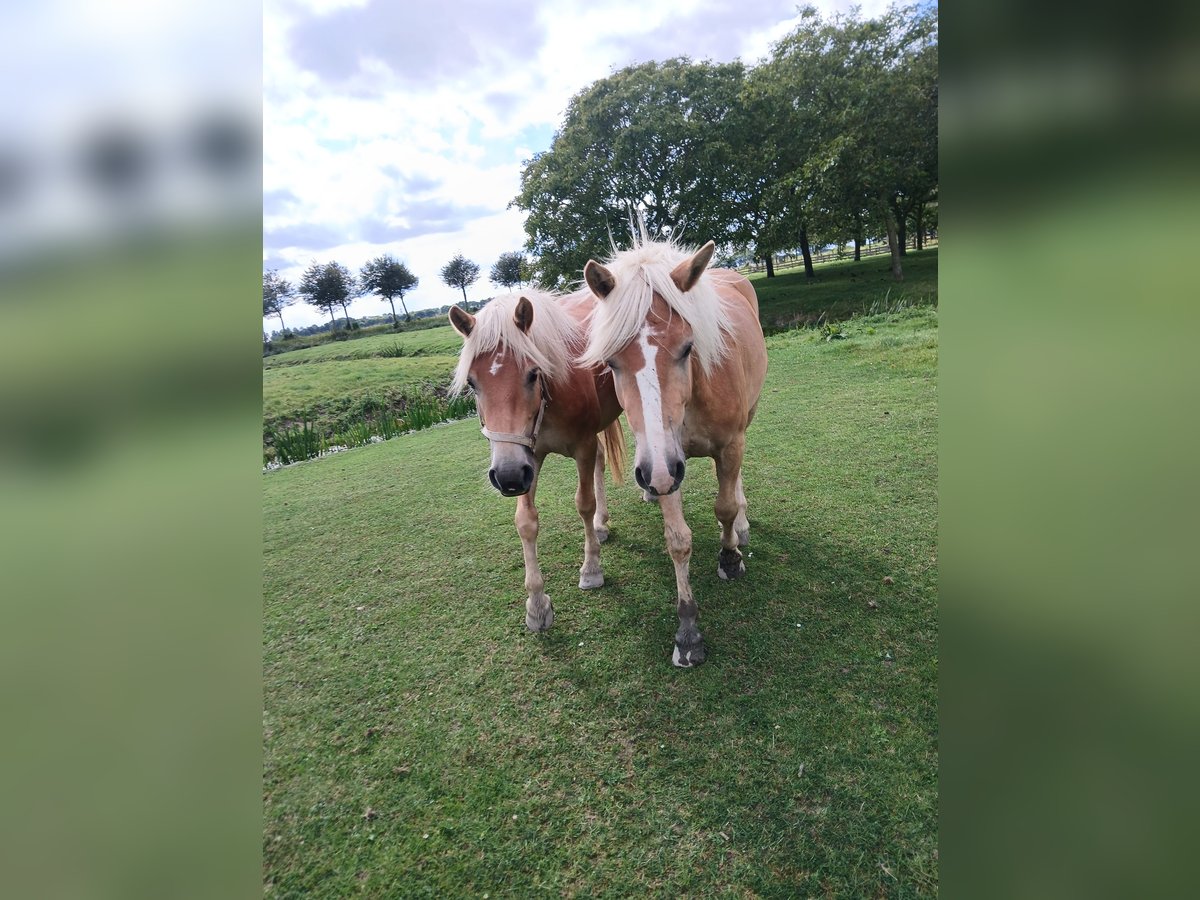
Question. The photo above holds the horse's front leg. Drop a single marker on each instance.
(730, 507)
(586, 459)
(689, 644)
(539, 612)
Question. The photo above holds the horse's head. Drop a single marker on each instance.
(651, 355)
(510, 393)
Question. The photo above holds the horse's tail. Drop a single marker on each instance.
(612, 439)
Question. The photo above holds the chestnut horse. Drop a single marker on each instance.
(688, 355)
(533, 399)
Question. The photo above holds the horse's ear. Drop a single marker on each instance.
(463, 322)
(599, 279)
(687, 273)
(523, 317)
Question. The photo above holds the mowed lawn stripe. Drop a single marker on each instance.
(419, 742)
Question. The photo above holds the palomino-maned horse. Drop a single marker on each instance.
(533, 399)
(689, 359)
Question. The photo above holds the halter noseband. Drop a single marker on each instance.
(529, 441)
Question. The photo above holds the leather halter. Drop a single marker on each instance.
(529, 440)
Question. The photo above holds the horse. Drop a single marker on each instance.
(688, 357)
(533, 400)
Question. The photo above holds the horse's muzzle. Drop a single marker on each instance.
(512, 482)
(642, 476)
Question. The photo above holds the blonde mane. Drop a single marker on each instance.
(553, 338)
(640, 273)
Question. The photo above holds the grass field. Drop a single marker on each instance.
(419, 742)
(843, 289)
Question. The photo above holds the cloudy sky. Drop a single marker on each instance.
(401, 127)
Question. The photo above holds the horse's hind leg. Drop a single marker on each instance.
(586, 462)
(600, 519)
(729, 507)
(539, 611)
(741, 524)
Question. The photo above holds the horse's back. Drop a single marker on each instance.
(739, 283)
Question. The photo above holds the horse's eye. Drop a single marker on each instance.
(687, 351)
(472, 385)
(612, 365)
(532, 376)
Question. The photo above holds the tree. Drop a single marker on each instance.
(460, 272)
(869, 89)
(328, 285)
(389, 278)
(648, 142)
(510, 270)
(277, 294)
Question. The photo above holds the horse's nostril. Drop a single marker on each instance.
(492, 479)
(526, 476)
(640, 476)
(677, 471)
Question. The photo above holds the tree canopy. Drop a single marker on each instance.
(328, 285)
(388, 278)
(278, 294)
(649, 141)
(461, 273)
(509, 270)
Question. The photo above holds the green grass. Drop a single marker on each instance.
(418, 742)
(439, 341)
(845, 289)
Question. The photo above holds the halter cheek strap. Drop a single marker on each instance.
(529, 440)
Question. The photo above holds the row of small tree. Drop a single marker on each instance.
(330, 285)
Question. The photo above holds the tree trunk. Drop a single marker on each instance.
(463, 287)
(395, 321)
(346, 310)
(804, 248)
(902, 234)
(770, 266)
(857, 249)
(282, 327)
(407, 317)
(332, 321)
(920, 223)
(894, 244)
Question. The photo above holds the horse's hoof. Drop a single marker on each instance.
(601, 533)
(539, 620)
(692, 655)
(589, 580)
(730, 565)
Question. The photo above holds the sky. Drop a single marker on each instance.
(401, 128)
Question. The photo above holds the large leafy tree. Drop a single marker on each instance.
(509, 270)
(328, 286)
(388, 278)
(648, 143)
(278, 293)
(868, 91)
(461, 273)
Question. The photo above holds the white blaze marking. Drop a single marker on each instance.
(497, 363)
(651, 393)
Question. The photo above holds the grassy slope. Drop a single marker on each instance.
(288, 390)
(419, 742)
(442, 340)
